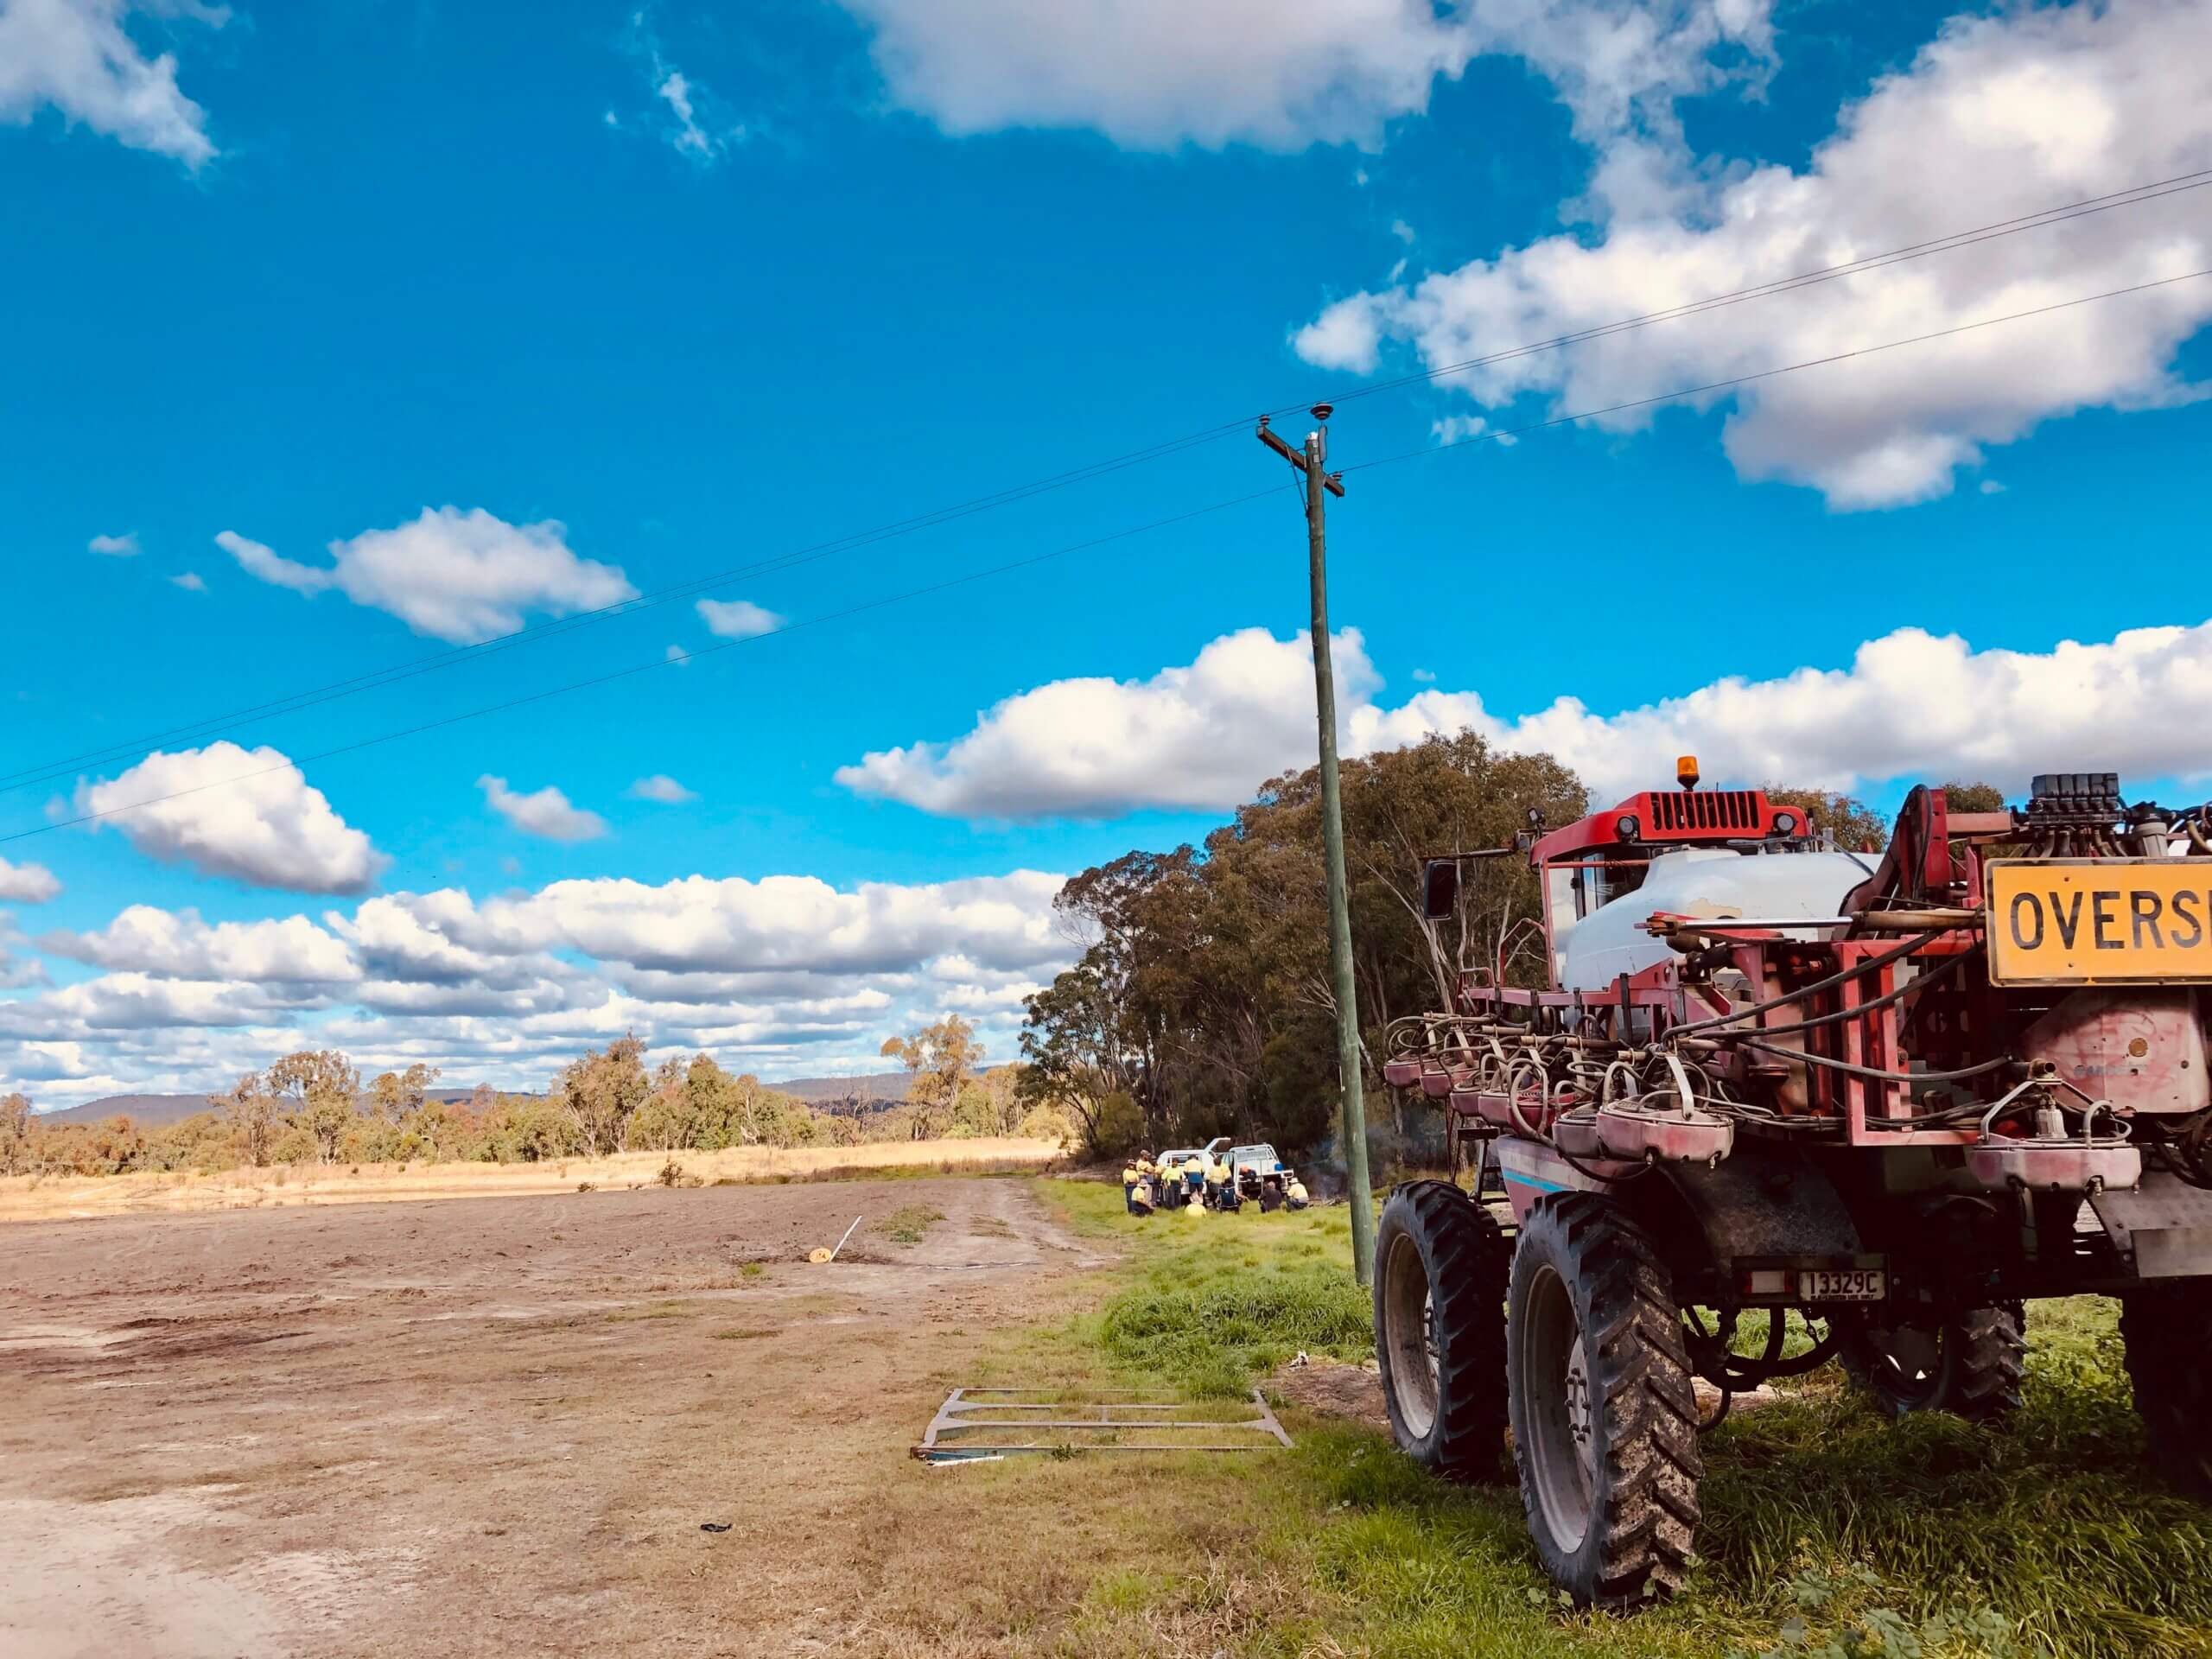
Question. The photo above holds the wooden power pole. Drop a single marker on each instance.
(1320, 483)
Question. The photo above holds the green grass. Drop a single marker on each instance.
(908, 1223)
(1820, 1517)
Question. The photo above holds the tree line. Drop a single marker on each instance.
(312, 1107)
(1202, 1004)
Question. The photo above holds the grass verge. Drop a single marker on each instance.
(1829, 1531)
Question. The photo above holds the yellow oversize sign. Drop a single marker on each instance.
(2083, 921)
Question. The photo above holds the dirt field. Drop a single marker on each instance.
(24, 1198)
(497, 1425)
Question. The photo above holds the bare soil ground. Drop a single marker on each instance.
(497, 1425)
(24, 1198)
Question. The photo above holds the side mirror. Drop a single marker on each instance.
(1440, 889)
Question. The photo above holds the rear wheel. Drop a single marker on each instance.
(1970, 1365)
(2168, 1330)
(1440, 1329)
(1604, 1423)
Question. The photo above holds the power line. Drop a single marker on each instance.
(658, 662)
(378, 679)
(1123, 535)
(553, 628)
(1803, 279)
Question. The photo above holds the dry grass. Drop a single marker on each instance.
(27, 1197)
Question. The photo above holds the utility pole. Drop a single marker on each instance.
(1320, 483)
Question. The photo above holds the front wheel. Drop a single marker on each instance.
(1970, 1365)
(1440, 1329)
(2168, 1332)
(1605, 1422)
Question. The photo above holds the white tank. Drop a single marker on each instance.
(1703, 881)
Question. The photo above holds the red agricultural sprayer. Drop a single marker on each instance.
(1898, 1094)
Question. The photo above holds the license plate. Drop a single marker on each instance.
(2101, 921)
(1842, 1285)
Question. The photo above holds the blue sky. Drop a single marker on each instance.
(640, 296)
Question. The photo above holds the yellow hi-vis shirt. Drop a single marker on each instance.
(1194, 1166)
(1216, 1172)
(1295, 1192)
(1128, 1175)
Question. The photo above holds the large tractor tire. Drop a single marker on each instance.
(2168, 1330)
(1440, 1330)
(1970, 1366)
(1605, 1422)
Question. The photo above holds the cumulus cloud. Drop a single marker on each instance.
(737, 618)
(27, 884)
(1197, 737)
(544, 812)
(2040, 106)
(77, 57)
(1911, 704)
(178, 944)
(136, 1001)
(190, 581)
(730, 924)
(662, 788)
(114, 547)
(785, 975)
(460, 576)
(1153, 74)
(249, 814)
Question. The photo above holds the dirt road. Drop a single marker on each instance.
(496, 1426)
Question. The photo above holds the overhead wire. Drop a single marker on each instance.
(295, 702)
(1123, 535)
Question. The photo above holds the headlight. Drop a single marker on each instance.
(1786, 823)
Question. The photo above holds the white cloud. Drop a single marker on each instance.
(115, 547)
(703, 130)
(190, 581)
(2039, 106)
(27, 884)
(663, 788)
(1991, 486)
(77, 57)
(1910, 705)
(544, 812)
(784, 976)
(730, 924)
(737, 618)
(690, 138)
(680, 657)
(226, 811)
(178, 944)
(460, 576)
(1197, 737)
(1153, 74)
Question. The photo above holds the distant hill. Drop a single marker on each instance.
(150, 1110)
(887, 1087)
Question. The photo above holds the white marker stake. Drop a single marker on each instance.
(840, 1243)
